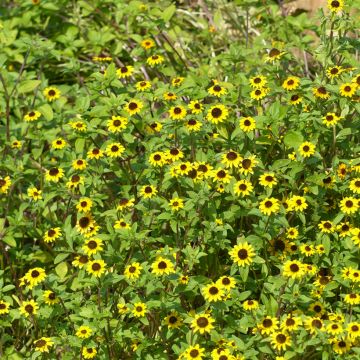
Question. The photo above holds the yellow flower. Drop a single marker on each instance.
(52, 234)
(79, 164)
(139, 309)
(349, 205)
(203, 323)
(143, 85)
(114, 150)
(176, 204)
(334, 71)
(250, 305)
(158, 158)
(291, 83)
(133, 107)
(194, 353)
(321, 92)
(355, 185)
(217, 90)
(121, 224)
(258, 81)
(54, 174)
(306, 149)
(89, 352)
(75, 182)
(280, 340)
(217, 114)
(213, 292)
(196, 107)
(242, 254)
(5, 184)
(348, 89)
(193, 125)
(32, 116)
(147, 44)
(268, 180)
(177, 81)
(297, 203)
(117, 124)
(125, 203)
(173, 320)
(295, 99)
(4, 307)
(269, 206)
(29, 308)
(133, 271)
(83, 332)
(96, 267)
(16, 144)
(335, 5)
(243, 188)
(52, 93)
(34, 277)
(155, 60)
(50, 297)
(259, 93)
(293, 269)
(268, 325)
(221, 175)
(331, 119)
(93, 246)
(247, 124)
(162, 266)
(274, 55)
(148, 191)
(95, 153)
(125, 71)
(58, 144)
(43, 344)
(177, 112)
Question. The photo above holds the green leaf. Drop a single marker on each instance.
(168, 13)
(47, 111)
(28, 85)
(7, 288)
(61, 270)
(60, 257)
(293, 139)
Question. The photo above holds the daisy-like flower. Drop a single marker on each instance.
(158, 158)
(114, 150)
(80, 261)
(173, 320)
(169, 96)
(352, 299)
(268, 325)
(259, 93)
(221, 175)
(258, 81)
(74, 182)
(226, 282)
(348, 89)
(268, 180)
(203, 323)
(250, 305)
(355, 185)
(293, 269)
(133, 107)
(341, 345)
(139, 309)
(29, 308)
(133, 271)
(34, 277)
(155, 60)
(121, 224)
(125, 203)
(93, 246)
(83, 332)
(147, 44)
(217, 90)
(274, 55)
(177, 112)
(335, 5)
(295, 99)
(4, 307)
(306, 149)
(52, 234)
(247, 164)
(291, 323)
(213, 292)
(174, 154)
(331, 119)
(334, 71)
(298, 203)
(313, 325)
(32, 116)
(5, 183)
(122, 309)
(154, 127)
(247, 124)
(117, 124)
(269, 206)
(349, 205)
(96, 267)
(95, 153)
(43, 344)
(280, 340)
(292, 233)
(148, 191)
(79, 164)
(50, 297)
(88, 352)
(84, 205)
(291, 83)
(243, 188)
(217, 114)
(194, 353)
(52, 93)
(162, 266)
(54, 174)
(58, 144)
(16, 144)
(143, 85)
(177, 81)
(242, 254)
(85, 224)
(125, 71)
(231, 159)
(193, 125)
(321, 92)
(196, 107)
(176, 204)
(78, 125)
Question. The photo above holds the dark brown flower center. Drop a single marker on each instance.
(246, 163)
(194, 353)
(96, 266)
(349, 204)
(322, 90)
(231, 155)
(242, 187)
(213, 290)
(294, 97)
(132, 269)
(54, 171)
(173, 319)
(216, 112)
(267, 323)
(148, 190)
(124, 69)
(202, 322)
(280, 338)
(192, 122)
(290, 322)
(268, 204)
(35, 274)
(274, 52)
(162, 265)
(221, 174)
(114, 148)
(40, 343)
(51, 232)
(29, 308)
(174, 152)
(217, 88)
(51, 92)
(177, 110)
(242, 254)
(84, 222)
(117, 123)
(290, 82)
(83, 259)
(133, 106)
(92, 244)
(294, 268)
(306, 148)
